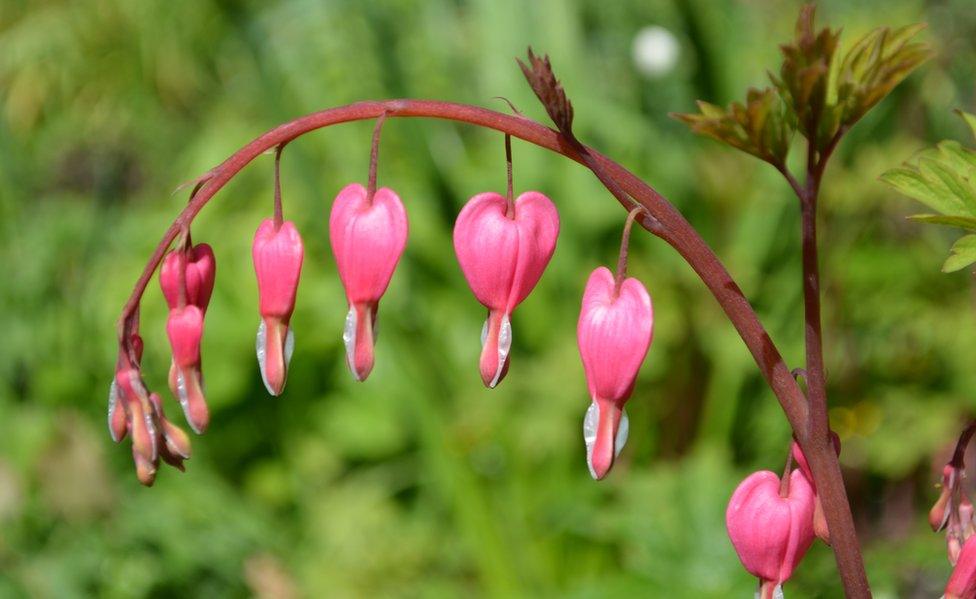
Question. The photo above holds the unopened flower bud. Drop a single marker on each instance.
(368, 237)
(185, 330)
(503, 252)
(614, 333)
(172, 441)
(140, 422)
(278, 254)
(771, 533)
(199, 271)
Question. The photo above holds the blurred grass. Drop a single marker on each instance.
(420, 482)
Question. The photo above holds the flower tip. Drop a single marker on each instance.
(145, 470)
(359, 336)
(605, 431)
(275, 344)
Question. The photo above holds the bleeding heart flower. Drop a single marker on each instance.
(770, 532)
(200, 270)
(503, 251)
(614, 333)
(277, 254)
(184, 327)
(962, 582)
(367, 237)
(173, 444)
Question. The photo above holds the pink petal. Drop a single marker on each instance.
(614, 334)
(367, 240)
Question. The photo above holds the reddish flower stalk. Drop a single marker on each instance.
(661, 219)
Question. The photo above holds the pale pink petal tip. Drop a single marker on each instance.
(274, 346)
(359, 336)
(604, 435)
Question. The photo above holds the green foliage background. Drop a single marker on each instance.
(420, 482)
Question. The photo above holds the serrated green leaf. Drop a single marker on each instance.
(958, 158)
(912, 183)
(959, 189)
(966, 222)
(963, 254)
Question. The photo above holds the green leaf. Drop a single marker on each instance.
(940, 175)
(963, 254)
(759, 127)
(960, 159)
(912, 183)
(966, 222)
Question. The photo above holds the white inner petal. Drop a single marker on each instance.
(151, 429)
(259, 345)
(622, 431)
(181, 392)
(484, 333)
(113, 398)
(777, 592)
(289, 347)
(590, 422)
(349, 339)
(504, 346)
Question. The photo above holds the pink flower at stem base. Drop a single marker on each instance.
(503, 250)
(614, 333)
(770, 531)
(278, 253)
(368, 236)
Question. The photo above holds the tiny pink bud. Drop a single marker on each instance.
(185, 330)
(502, 257)
(614, 333)
(962, 581)
(367, 240)
(771, 533)
(200, 269)
(278, 255)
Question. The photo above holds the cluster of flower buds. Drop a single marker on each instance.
(503, 247)
(368, 233)
(133, 410)
(770, 523)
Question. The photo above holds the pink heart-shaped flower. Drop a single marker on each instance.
(503, 252)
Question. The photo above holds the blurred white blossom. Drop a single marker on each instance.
(655, 51)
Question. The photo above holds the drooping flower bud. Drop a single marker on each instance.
(184, 327)
(503, 252)
(367, 237)
(962, 581)
(117, 425)
(614, 333)
(140, 422)
(172, 443)
(200, 270)
(278, 254)
(771, 533)
(819, 518)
